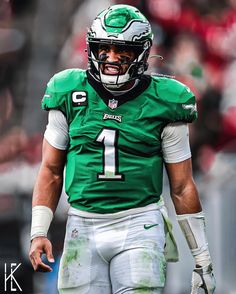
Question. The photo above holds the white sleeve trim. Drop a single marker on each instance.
(57, 130)
(175, 142)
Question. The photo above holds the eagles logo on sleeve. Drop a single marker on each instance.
(191, 107)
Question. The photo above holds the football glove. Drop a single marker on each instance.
(203, 277)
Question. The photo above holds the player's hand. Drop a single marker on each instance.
(39, 246)
(203, 277)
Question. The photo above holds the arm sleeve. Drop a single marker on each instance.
(57, 130)
(175, 142)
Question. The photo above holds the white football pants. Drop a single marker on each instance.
(113, 256)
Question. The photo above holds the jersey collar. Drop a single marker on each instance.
(130, 95)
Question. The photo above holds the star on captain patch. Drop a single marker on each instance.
(112, 103)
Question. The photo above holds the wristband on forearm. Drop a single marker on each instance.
(41, 219)
(193, 227)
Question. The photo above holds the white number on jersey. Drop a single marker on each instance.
(108, 137)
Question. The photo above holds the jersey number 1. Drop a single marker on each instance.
(108, 137)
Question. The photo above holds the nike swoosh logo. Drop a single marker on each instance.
(147, 227)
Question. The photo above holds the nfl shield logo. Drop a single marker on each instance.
(113, 103)
(74, 234)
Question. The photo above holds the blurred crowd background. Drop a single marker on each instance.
(197, 39)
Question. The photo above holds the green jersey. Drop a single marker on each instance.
(114, 157)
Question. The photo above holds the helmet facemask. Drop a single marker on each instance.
(135, 66)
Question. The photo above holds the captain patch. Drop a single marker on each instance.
(79, 98)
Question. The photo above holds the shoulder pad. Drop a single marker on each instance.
(177, 97)
(66, 80)
(172, 90)
(58, 87)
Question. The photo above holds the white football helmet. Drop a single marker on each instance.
(121, 25)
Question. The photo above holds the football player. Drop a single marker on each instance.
(113, 128)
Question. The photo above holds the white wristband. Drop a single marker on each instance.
(41, 220)
(193, 227)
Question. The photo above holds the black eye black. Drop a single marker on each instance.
(125, 59)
